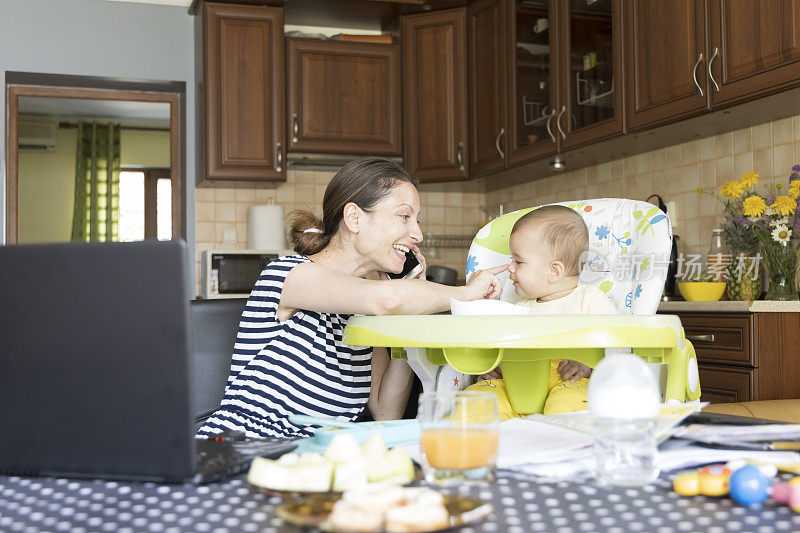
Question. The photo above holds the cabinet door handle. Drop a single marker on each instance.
(497, 143)
(294, 127)
(694, 73)
(460, 156)
(279, 158)
(701, 338)
(710, 75)
(558, 122)
(550, 131)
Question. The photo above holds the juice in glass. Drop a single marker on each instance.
(459, 435)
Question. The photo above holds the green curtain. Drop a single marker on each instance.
(96, 213)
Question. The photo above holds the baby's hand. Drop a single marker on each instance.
(492, 374)
(573, 370)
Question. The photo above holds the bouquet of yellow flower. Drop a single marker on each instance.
(772, 217)
(743, 274)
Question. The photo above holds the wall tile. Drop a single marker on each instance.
(690, 151)
(226, 212)
(691, 177)
(762, 162)
(708, 174)
(782, 131)
(204, 211)
(742, 141)
(203, 194)
(225, 195)
(724, 169)
(782, 161)
(674, 156)
(742, 162)
(723, 144)
(659, 159)
(762, 136)
(706, 149)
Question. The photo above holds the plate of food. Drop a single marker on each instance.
(385, 508)
(345, 464)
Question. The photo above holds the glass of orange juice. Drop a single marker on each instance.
(459, 435)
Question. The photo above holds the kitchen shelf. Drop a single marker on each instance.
(604, 99)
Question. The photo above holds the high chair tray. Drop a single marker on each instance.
(530, 331)
(524, 345)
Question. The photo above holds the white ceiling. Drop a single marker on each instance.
(179, 3)
(125, 112)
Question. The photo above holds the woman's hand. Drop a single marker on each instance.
(573, 370)
(484, 284)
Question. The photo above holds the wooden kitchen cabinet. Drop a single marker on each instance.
(486, 58)
(243, 98)
(665, 60)
(343, 97)
(562, 74)
(754, 48)
(435, 95)
(745, 356)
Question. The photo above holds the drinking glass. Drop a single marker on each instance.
(459, 435)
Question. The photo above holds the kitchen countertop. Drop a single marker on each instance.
(757, 306)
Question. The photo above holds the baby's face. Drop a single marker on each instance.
(530, 265)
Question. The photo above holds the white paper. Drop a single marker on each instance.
(722, 433)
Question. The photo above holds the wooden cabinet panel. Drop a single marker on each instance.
(590, 63)
(754, 47)
(486, 58)
(722, 384)
(343, 97)
(722, 338)
(435, 95)
(243, 79)
(533, 104)
(665, 60)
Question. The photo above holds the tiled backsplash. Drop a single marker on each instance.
(461, 208)
(452, 209)
(674, 173)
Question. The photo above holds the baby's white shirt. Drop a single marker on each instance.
(583, 300)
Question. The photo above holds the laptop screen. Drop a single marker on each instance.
(95, 375)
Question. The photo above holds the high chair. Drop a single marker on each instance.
(629, 247)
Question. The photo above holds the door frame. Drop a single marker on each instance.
(23, 84)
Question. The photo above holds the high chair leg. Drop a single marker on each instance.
(676, 375)
(426, 371)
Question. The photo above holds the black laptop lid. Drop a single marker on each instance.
(95, 367)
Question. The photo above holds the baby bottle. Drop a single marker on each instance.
(625, 399)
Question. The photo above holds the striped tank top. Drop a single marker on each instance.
(298, 366)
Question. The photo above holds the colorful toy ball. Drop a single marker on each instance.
(749, 486)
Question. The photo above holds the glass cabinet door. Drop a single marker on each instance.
(534, 91)
(590, 76)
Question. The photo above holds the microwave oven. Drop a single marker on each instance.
(233, 273)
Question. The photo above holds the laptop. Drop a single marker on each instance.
(96, 372)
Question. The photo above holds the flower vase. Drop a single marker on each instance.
(781, 263)
(744, 277)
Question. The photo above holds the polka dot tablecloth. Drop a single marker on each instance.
(521, 506)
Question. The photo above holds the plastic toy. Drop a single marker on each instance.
(749, 486)
(788, 493)
(709, 481)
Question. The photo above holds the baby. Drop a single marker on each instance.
(546, 247)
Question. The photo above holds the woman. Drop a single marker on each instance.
(289, 356)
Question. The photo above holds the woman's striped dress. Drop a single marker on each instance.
(298, 366)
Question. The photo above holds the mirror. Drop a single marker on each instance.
(92, 165)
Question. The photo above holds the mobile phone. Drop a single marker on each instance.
(412, 267)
